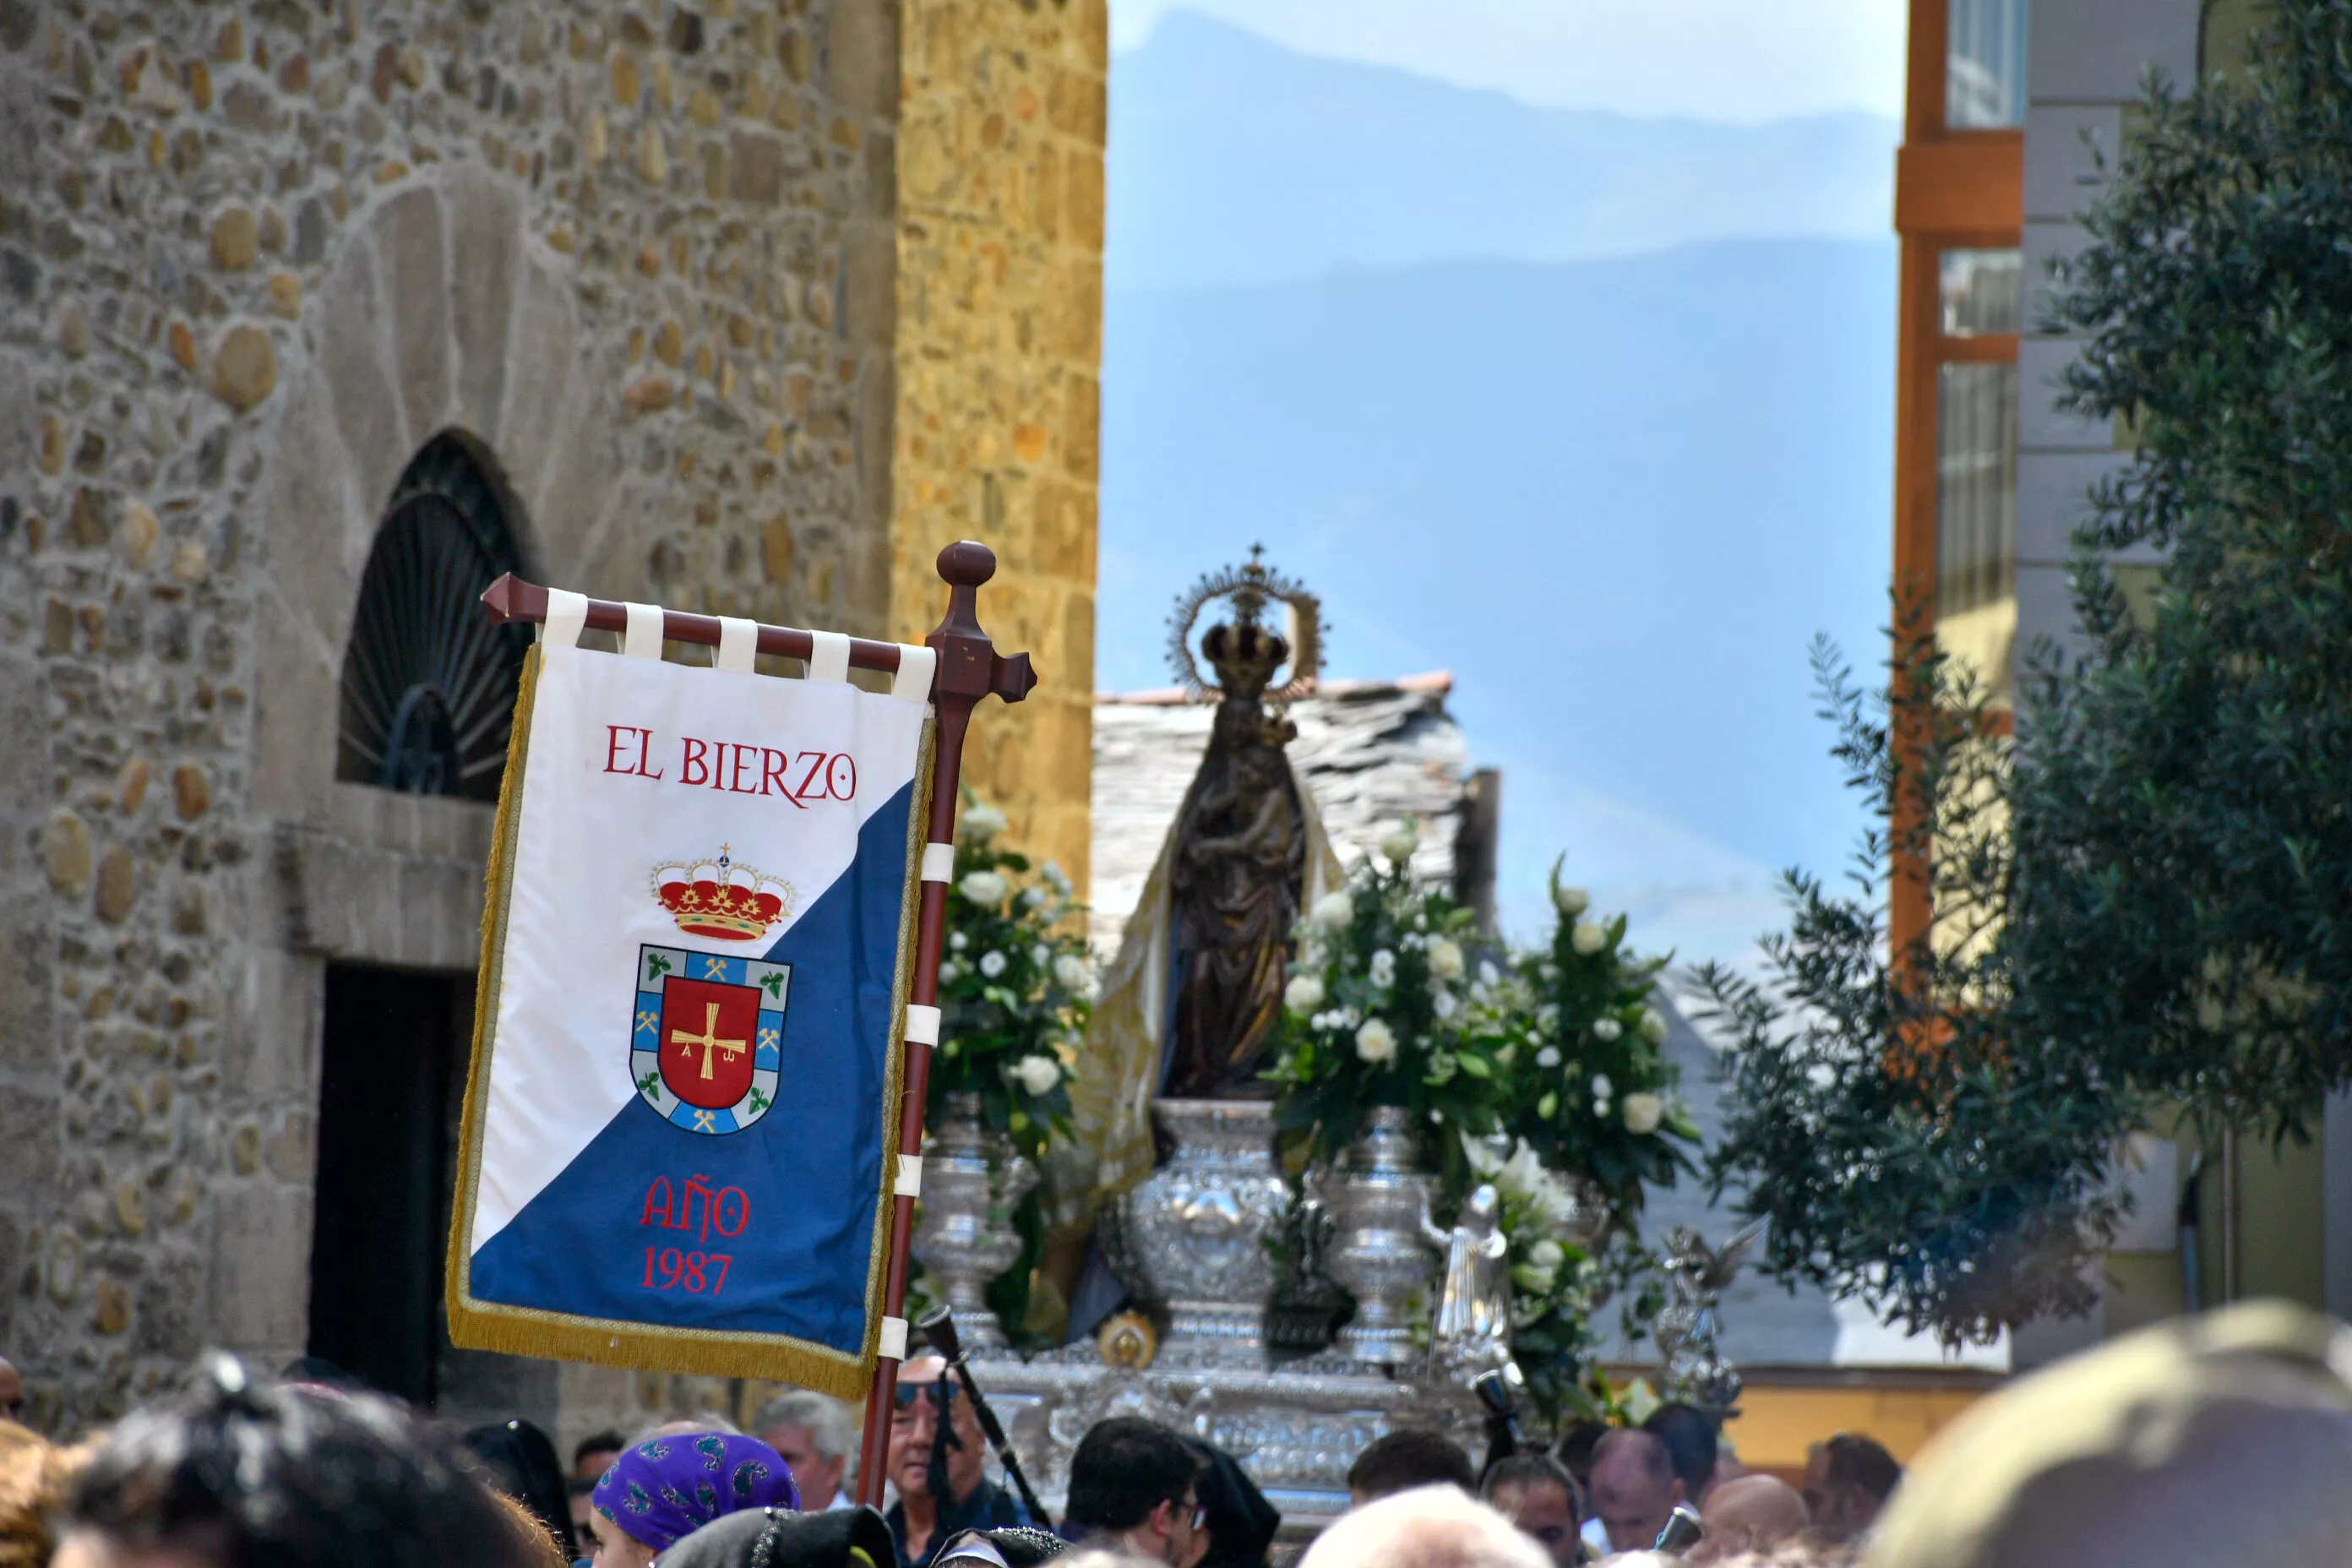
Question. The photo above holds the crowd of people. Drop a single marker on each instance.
(2225, 1439)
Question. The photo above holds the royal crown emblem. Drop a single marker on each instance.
(720, 898)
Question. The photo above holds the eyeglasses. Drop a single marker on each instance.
(942, 1393)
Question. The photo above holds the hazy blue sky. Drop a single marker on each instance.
(1718, 59)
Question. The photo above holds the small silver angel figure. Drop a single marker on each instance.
(1692, 1366)
(1472, 1330)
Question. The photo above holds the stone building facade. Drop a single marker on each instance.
(741, 306)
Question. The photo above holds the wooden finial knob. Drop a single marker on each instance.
(966, 563)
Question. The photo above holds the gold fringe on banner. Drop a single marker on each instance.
(476, 1324)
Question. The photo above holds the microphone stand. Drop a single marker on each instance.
(939, 1327)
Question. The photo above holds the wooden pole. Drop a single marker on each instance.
(970, 670)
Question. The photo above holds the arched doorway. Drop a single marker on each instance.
(427, 699)
(428, 684)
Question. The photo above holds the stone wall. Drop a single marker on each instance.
(647, 257)
(1000, 323)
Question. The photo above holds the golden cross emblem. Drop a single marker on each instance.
(709, 1039)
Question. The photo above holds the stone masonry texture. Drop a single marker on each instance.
(747, 306)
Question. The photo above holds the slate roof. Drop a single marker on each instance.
(1374, 752)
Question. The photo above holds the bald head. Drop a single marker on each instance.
(1635, 1488)
(1752, 1514)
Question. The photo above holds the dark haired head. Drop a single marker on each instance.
(520, 1459)
(1242, 1524)
(1855, 1460)
(1689, 1436)
(1403, 1460)
(605, 1442)
(1532, 1470)
(1124, 1468)
(240, 1476)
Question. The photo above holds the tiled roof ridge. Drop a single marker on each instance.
(1439, 681)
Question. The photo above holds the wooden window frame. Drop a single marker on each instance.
(1953, 189)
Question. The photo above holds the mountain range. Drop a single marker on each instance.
(1594, 412)
(1235, 161)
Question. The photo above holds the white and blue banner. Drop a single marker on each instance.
(687, 1056)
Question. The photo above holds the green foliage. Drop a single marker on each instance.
(1591, 1092)
(1917, 1142)
(2182, 797)
(1539, 1072)
(1015, 989)
(2146, 900)
(1382, 1010)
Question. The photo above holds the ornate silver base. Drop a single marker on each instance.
(1294, 1427)
(1194, 1237)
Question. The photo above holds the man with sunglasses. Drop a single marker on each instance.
(937, 1452)
(1132, 1491)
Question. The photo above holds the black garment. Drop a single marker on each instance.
(779, 1538)
(1241, 1522)
(522, 1464)
(986, 1507)
(1020, 1546)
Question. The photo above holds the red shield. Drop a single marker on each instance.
(707, 1032)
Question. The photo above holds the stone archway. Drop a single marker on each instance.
(442, 321)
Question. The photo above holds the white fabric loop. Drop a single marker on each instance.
(738, 644)
(828, 656)
(644, 638)
(938, 862)
(567, 613)
(909, 1184)
(917, 666)
(922, 1025)
(892, 1345)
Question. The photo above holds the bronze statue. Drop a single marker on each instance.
(1238, 869)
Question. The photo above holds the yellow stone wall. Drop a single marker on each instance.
(1000, 173)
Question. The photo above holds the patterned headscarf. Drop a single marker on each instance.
(668, 1488)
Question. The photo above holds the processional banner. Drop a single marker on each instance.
(686, 1069)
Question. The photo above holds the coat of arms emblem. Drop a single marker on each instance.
(707, 1040)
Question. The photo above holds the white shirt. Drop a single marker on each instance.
(840, 1499)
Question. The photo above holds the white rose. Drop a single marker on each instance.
(1488, 975)
(958, 943)
(1643, 1114)
(1058, 878)
(1333, 911)
(1588, 937)
(1653, 1025)
(982, 823)
(1445, 960)
(1032, 898)
(1547, 1254)
(1397, 845)
(1443, 1005)
(1303, 994)
(1041, 955)
(1607, 1029)
(1072, 971)
(1384, 967)
(1573, 901)
(1535, 1281)
(992, 964)
(1548, 1057)
(983, 887)
(1376, 1042)
(1038, 1075)
(1602, 1087)
(950, 971)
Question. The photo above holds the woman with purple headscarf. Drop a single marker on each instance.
(666, 1488)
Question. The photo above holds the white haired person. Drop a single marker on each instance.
(1428, 1527)
(814, 1435)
